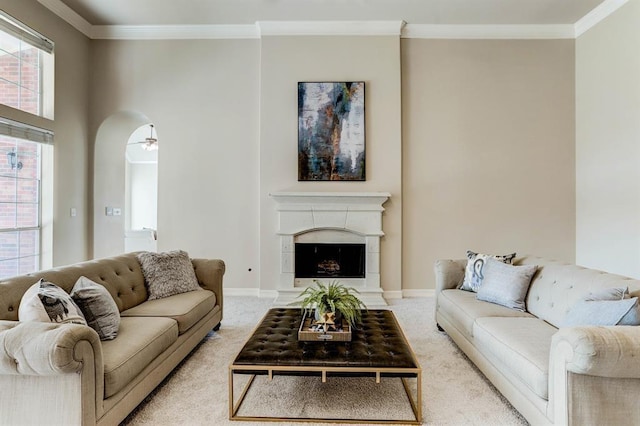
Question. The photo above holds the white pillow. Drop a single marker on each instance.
(506, 285)
(610, 306)
(473, 274)
(46, 302)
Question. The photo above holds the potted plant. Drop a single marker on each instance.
(333, 297)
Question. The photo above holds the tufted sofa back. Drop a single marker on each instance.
(557, 286)
(121, 275)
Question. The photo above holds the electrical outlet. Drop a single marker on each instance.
(117, 211)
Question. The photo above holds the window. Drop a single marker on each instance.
(26, 83)
(26, 68)
(19, 207)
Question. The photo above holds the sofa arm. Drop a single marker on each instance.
(449, 273)
(209, 273)
(600, 351)
(40, 349)
(591, 368)
(38, 360)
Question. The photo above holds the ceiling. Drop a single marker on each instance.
(434, 12)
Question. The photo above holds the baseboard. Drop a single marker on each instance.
(392, 295)
(413, 293)
(251, 292)
(268, 294)
(233, 291)
(273, 294)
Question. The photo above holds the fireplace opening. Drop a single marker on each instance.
(325, 260)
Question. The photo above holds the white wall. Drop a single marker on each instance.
(144, 195)
(284, 62)
(608, 143)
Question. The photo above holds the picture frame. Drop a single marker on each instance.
(331, 131)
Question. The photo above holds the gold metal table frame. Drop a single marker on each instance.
(416, 402)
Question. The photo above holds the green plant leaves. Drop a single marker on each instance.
(333, 297)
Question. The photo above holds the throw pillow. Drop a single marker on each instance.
(168, 273)
(46, 302)
(473, 274)
(98, 307)
(611, 306)
(506, 285)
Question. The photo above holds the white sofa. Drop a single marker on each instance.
(587, 375)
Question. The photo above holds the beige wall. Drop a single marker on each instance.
(473, 139)
(202, 96)
(284, 62)
(71, 153)
(488, 151)
(608, 143)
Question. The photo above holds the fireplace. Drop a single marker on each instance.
(329, 260)
(327, 236)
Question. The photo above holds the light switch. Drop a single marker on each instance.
(108, 211)
(117, 211)
(73, 212)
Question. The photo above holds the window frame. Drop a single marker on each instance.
(45, 47)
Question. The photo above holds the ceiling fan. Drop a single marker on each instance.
(150, 143)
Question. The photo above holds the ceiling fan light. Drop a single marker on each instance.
(150, 145)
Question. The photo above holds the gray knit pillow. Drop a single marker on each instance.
(168, 273)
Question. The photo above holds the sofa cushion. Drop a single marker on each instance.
(98, 307)
(519, 347)
(462, 309)
(168, 273)
(186, 308)
(140, 340)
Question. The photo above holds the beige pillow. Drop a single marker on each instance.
(98, 307)
(46, 302)
(168, 273)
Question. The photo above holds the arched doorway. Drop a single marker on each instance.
(109, 181)
(141, 190)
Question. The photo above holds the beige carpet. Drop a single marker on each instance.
(454, 391)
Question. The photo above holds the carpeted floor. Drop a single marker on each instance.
(454, 391)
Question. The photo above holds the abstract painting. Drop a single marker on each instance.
(331, 131)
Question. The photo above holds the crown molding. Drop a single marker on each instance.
(173, 32)
(69, 15)
(488, 31)
(597, 15)
(330, 28)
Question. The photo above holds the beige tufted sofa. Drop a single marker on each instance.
(576, 375)
(63, 374)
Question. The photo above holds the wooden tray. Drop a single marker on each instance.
(306, 334)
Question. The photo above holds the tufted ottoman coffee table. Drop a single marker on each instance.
(378, 349)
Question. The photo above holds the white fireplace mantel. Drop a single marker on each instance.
(330, 217)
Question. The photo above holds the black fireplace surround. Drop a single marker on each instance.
(329, 260)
